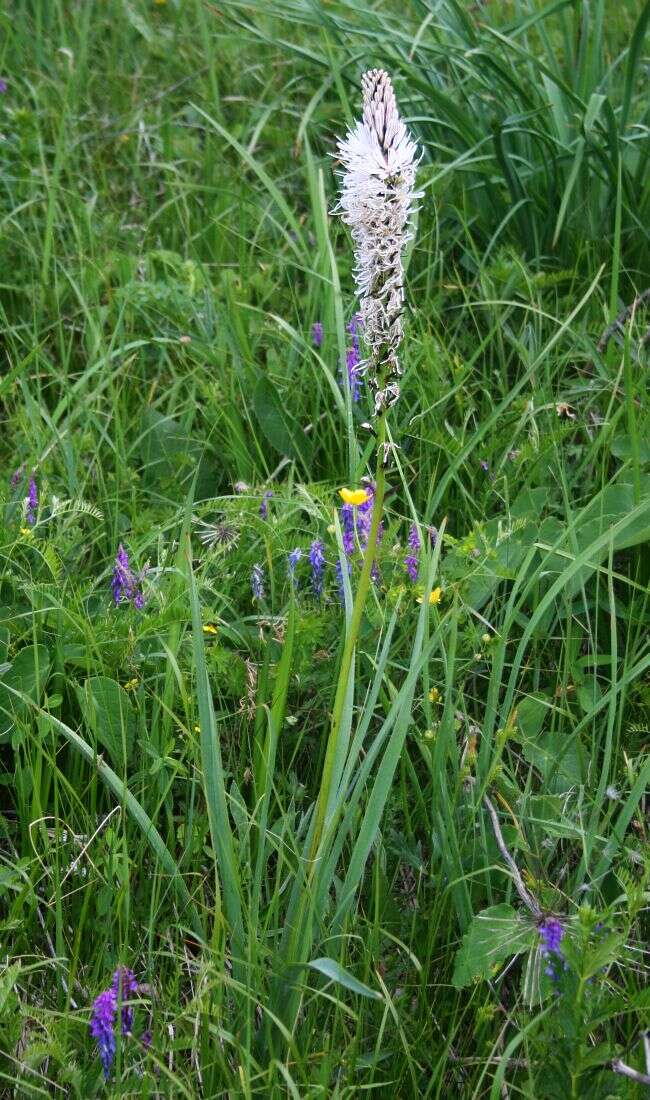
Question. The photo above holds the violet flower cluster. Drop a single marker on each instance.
(126, 585)
(412, 560)
(293, 557)
(317, 334)
(353, 357)
(104, 1016)
(317, 562)
(264, 506)
(356, 524)
(32, 502)
(551, 933)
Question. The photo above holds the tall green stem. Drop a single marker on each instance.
(350, 643)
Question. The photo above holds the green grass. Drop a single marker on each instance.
(312, 914)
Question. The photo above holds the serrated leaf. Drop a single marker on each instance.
(494, 935)
(336, 973)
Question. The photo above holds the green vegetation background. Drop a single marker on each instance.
(167, 244)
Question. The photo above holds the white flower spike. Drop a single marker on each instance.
(377, 203)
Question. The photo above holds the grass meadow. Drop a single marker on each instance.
(289, 845)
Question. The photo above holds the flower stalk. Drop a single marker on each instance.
(377, 203)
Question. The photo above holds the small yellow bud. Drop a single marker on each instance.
(486, 639)
(209, 628)
(434, 696)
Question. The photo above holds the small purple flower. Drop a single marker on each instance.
(292, 560)
(412, 566)
(365, 515)
(240, 487)
(317, 334)
(16, 477)
(102, 1028)
(352, 361)
(264, 506)
(355, 325)
(146, 1039)
(347, 526)
(485, 465)
(3, 86)
(104, 1016)
(411, 561)
(32, 502)
(125, 989)
(126, 585)
(317, 562)
(433, 535)
(551, 933)
(257, 582)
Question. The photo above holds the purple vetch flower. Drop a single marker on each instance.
(293, 557)
(551, 933)
(317, 562)
(357, 519)
(125, 989)
(3, 86)
(433, 535)
(146, 1039)
(365, 515)
(412, 561)
(32, 502)
(16, 477)
(264, 506)
(317, 334)
(347, 528)
(485, 465)
(126, 585)
(354, 326)
(104, 1015)
(353, 357)
(352, 361)
(412, 566)
(240, 487)
(257, 582)
(102, 1028)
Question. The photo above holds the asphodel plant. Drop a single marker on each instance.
(377, 202)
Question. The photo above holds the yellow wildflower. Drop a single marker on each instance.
(26, 532)
(131, 685)
(209, 628)
(434, 696)
(434, 597)
(355, 497)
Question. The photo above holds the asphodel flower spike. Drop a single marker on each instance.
(377, 203)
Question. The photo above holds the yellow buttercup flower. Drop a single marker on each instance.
(434, 597)
(355, 497)
(209, 628)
